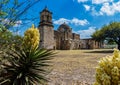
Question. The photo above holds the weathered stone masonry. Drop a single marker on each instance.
(62, 38)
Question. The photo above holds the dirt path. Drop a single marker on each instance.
(75, 67)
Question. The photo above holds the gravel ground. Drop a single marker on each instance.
(75, 67)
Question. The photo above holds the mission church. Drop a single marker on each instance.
(63, 38)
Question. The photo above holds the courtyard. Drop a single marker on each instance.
(76, 67)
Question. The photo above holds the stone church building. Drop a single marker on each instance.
(65, 39)
(60, 39)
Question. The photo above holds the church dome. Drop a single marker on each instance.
(64, 27)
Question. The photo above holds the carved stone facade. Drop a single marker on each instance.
(65, 39)
(62, 38)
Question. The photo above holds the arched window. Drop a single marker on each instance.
(48, 18)
(67, 35)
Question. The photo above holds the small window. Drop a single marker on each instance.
(47, 18)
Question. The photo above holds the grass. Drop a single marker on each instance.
(72, 67)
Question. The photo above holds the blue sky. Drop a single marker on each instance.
(83, 16)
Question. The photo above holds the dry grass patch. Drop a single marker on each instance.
(75, 66)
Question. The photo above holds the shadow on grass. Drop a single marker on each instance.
(100, 51)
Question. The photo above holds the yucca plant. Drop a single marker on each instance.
(26, 66)
(31, 37)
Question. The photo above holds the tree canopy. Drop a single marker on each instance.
(108, 32)
(13, 11)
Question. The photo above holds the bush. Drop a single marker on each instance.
(28, 64)
(108, 71)
(26, 68)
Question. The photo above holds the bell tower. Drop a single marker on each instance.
(46, 29)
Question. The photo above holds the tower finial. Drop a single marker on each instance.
(46, 7)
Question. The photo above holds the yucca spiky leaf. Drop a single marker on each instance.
(27, 67)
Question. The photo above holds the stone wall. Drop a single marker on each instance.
(90, 44)
(62, 38)
(47, 37)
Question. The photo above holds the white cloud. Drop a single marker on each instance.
(87, 7)
(101, 1)
(75, 21)
(79, 22)
(61, 21)
(110, 9)
(7, 21)
(94, 11)
(18, 23)
(82, 1)
(86, 33)
(102, 7)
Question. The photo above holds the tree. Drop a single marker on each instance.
(12, 11)
(109, 32)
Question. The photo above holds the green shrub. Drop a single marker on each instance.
(108, 71)
(26, 66)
